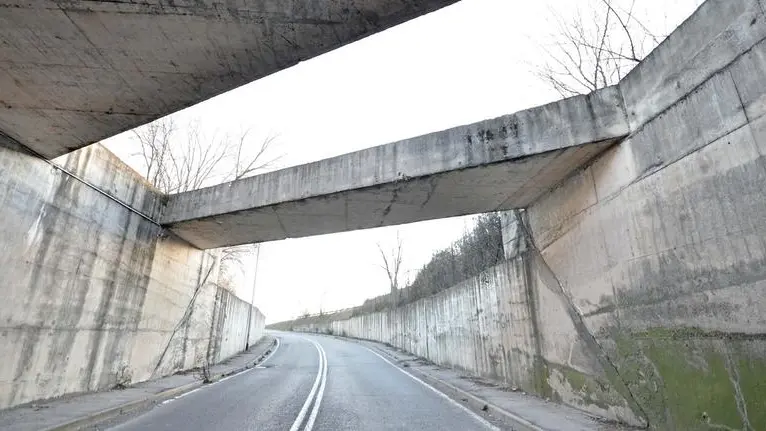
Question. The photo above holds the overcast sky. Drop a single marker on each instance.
(468, 62)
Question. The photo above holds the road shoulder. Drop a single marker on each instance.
(519, 410)
(80, 411)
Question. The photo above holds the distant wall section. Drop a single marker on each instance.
(232, 326)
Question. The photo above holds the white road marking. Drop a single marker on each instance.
(320, 394)
(317, 381)
(465, 409)
(188, 393)
(228, 377)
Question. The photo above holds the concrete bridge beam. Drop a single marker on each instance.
(495, 164)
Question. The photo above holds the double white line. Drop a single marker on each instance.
(315, 396)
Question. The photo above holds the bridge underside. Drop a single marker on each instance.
(505, 185)
(496, 164)
(75, 72)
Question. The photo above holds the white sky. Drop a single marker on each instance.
(468, 62)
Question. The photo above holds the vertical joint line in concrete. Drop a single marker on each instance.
(345, 212)
(747, 117)
(531, 302)
(699, 84)
(739, 97)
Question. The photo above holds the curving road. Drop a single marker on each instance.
(294, 390)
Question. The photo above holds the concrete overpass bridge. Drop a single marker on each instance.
(492, 165)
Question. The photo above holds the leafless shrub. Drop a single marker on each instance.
(595, 47)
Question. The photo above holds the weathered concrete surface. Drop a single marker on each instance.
(659, 244)
(93, 293)
(645, 271)
(635, 290)
(501, 163)
(79, 71)
(714, 36)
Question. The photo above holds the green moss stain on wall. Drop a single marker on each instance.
(583, 390)
(688, 379)
(696, 385)
(542, 373)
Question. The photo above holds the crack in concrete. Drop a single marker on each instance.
(279, 220)
(551, 280)
(433, 182)
(739, 397)
(387, 209)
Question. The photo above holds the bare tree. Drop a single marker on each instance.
(233, 261)
(176, 164)
(597, 48)
(154, 139)
(247, 166)
(392, 263)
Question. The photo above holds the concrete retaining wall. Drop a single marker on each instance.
(94, 294)
(660, 245)
(636, 290)
(232, 325)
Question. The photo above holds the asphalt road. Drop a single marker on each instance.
(293, 390)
